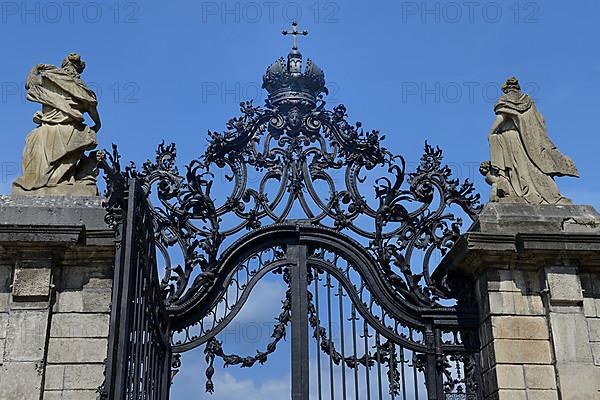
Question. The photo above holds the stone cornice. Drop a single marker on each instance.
(475, 250)
(57, 235)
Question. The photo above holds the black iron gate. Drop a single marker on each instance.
(361, 262)
(388, 350)
(139, 350)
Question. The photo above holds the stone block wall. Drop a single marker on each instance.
(578, 377)
(56, 265)
(590, 283)
(537, 285)
(517, 352)
(536, 274)
(77, 340)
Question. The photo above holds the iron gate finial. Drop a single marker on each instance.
(294, 32)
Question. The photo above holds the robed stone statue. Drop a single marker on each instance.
(54, 159)
(524, 161)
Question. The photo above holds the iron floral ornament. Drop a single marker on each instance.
(295, 149)
(294, 161)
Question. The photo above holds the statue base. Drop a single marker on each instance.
(83, 189)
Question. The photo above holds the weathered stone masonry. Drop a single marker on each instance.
(56, 260)
(537, 270)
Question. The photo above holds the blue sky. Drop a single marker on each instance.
(414, 70)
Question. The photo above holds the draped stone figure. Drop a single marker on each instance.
(524, 161)
(54, 160)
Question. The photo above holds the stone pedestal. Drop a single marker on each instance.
(537, 274)
(56, 262)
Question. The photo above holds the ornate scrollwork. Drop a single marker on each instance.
(296, 156)
(237, 288)
(338, 178)
(460, 376)
(298, 148)
(384, 353)
(214, 348)
(365, 303)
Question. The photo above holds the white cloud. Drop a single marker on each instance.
(273, 378)
(265, 301)
(190, 382)
(231, 388)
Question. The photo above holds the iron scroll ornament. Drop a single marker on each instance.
(388, 229)
(295, 153)
(296, 145)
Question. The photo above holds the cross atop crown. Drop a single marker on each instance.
(295, 32)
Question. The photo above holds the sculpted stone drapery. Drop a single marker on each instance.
(524, 161)
(54, 159)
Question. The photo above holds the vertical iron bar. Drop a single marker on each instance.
(353, 316)
(166, 375)
(433, 376)
(367, 369)
(147, 346)
(138, 319)
(331, 385)
(152, 365)
(416, 382)
(378, 348)
(298, 276)
(317, 335)
(403, 374)
(342, 349)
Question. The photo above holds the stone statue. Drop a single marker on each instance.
(54, 159)
(524, 161)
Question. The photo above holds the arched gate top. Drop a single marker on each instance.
(358, 206)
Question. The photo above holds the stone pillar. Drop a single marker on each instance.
(26, 318)
(570, 334)
(56, 260)
(537, 271)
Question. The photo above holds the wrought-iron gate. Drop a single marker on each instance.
(359, 262)
(139, 351)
